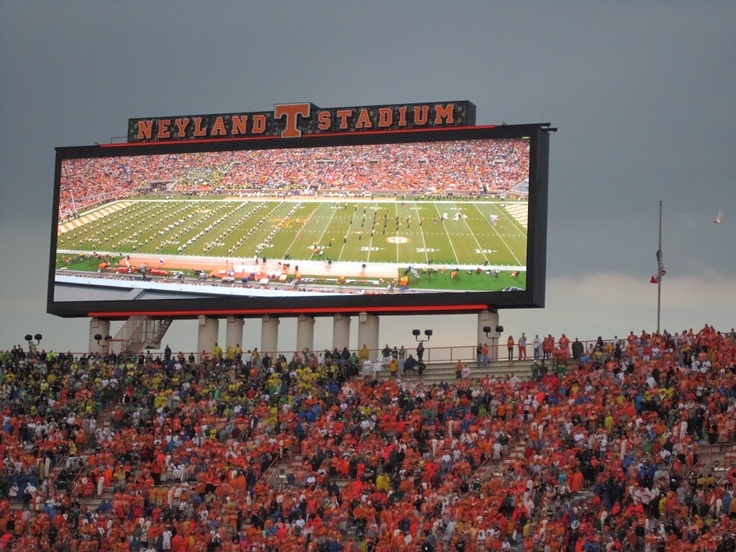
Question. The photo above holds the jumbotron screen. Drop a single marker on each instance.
(445, 220)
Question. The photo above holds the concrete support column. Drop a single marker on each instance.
(341, 332)
(207, 333)
(233, 332)
(97, 326)
(489, 320)
(269, 335)
(368, 333)
(305, 332)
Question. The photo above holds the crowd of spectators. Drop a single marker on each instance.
(473, 167)
(233, 450)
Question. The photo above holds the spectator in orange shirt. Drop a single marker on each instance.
(510, 346)
(548, 345)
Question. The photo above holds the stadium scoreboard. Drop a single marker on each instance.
(384, 209)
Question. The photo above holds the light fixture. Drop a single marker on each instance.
(417, 335)
(29, 338)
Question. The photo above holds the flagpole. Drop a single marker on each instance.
(659, 269)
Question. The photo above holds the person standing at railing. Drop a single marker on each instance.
(376, 369)
(386, 352)
(364, 354)
(479, 355)
(564, 344)
(366, 368)
(410, 365)
(420, 353)
(537, 346)
(548, 345)
(522, 346)
(578, 349)
(393, 367)
(510, 346)
(217, 353)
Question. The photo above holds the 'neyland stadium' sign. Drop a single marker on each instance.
(297, 119)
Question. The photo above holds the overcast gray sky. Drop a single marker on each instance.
(643, 95)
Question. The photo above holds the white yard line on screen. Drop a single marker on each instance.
(348, 234)
(324, 229)
(370, 244)
(447, 235)
(421, 231)
(480, 247)
(396, 233)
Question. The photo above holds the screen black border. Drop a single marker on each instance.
(432, 302)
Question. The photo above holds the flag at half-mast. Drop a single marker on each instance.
(660, 269)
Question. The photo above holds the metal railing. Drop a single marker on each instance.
(498, 352)
(138, 332)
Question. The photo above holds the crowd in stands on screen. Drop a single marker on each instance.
(613, 448)
(465, 167)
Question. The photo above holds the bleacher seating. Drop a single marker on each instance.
(620, 446)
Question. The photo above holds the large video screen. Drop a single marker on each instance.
(386, 221)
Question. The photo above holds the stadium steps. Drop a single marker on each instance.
(497, 468)
(439, 372)
(142, 332)
(16, 506)
(716, 459)
(289, 463)
(89, 504)
(93, 502)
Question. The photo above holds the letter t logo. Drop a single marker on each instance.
(292, 112)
